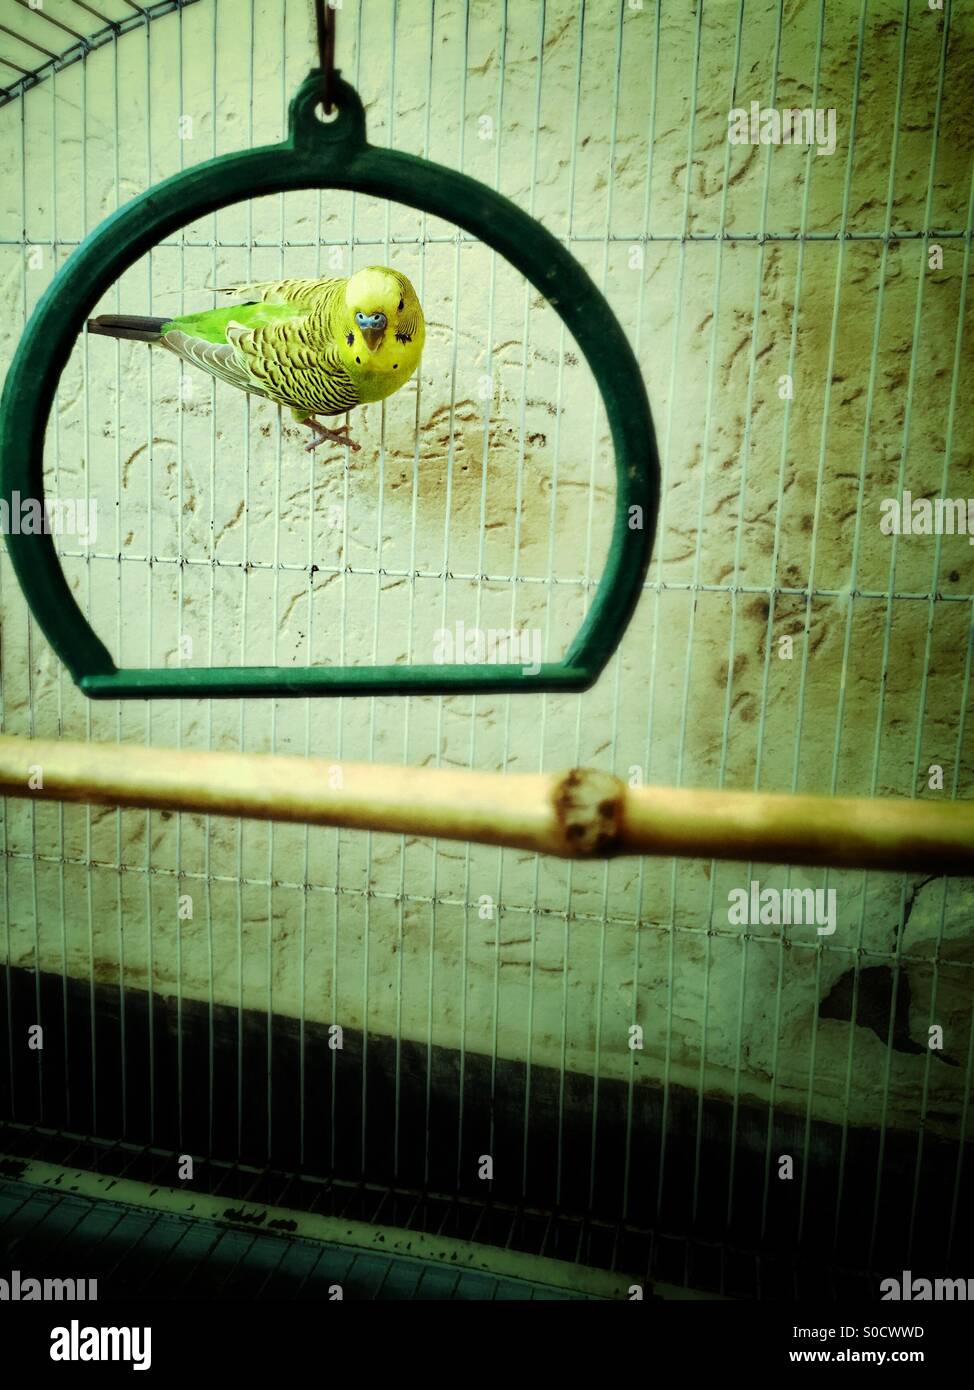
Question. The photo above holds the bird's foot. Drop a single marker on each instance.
(323, 435)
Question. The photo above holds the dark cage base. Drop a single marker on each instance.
(300, 1139)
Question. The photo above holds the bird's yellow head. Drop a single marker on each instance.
(383, 333)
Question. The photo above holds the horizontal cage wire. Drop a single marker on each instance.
(348, 1022)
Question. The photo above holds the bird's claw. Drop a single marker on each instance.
(324, 435)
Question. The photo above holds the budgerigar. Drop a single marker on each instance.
(318, 346)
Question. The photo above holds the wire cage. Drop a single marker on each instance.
(600, 1064)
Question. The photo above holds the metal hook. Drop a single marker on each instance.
(325, 26)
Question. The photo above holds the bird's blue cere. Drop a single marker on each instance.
(370, 320)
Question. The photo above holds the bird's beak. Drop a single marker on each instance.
(373, 337)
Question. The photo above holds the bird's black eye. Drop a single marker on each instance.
(401, 302)
(359, 360)
(350, 339)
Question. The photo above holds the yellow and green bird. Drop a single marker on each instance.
(318, 346)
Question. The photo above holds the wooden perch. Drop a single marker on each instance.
(578, 814)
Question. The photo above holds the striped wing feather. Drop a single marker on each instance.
(288, 369)
(303, 294)
(219, 359)
(275, 360)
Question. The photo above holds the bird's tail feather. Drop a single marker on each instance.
(142, 329)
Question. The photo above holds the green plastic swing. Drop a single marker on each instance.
(318, 154)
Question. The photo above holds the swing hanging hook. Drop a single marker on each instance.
(325, 26)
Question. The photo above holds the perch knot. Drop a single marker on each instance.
(588, 807)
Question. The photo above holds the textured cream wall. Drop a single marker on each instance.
(765, 501)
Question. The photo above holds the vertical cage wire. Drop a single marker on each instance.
(958, 762)
(818, 497)
(881, 697)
